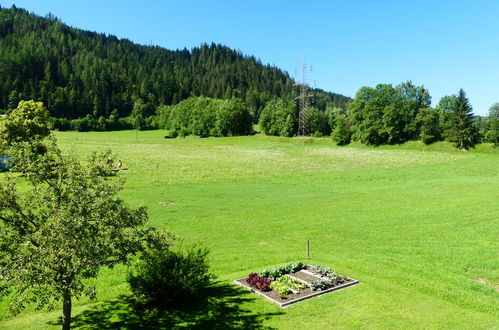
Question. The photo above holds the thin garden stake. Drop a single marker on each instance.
(308, 248)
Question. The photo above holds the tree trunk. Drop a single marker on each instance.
(66, 310)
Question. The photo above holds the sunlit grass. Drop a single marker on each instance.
(416, 224)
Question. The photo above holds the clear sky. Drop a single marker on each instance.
(443, 45)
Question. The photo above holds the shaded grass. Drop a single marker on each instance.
(418, 225)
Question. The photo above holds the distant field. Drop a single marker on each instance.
(417, 225)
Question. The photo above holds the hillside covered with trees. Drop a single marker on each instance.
(92, 81)
(76, 73)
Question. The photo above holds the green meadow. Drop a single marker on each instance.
(417, 225)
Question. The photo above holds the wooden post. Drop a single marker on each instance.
(308, 248)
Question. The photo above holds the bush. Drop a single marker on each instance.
(278, 118)
(164, 276)
(341, 133)
(204, 116)
(317, 122)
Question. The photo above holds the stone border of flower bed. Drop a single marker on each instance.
(307, 293)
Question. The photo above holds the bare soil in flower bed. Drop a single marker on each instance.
(307, 293)
(305, 276)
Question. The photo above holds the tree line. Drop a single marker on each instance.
(78, 73)
(388, 114)
(90, 81)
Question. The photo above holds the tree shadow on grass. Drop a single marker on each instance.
(219, 308)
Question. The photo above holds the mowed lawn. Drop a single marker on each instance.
(417, 225)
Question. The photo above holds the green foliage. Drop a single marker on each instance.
(428, 120)
(89, 123)
(232, 118)
(341, 133)
(333, 277)
(277, 272)
(138, 114)
(296, 266)
(320, 285)
(280, 288)
(205, 116)
(29, 122)
(461, 130)
(491, 125)
(387, 114)
(321, 270)
(63, 226)
(317, 122)
(164, 276)
(446, 106)
(278, 118)
(291, 283)
(78, 73)
(272, 273)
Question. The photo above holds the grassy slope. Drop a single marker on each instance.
(417, 225)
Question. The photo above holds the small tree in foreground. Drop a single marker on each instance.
(68, 224)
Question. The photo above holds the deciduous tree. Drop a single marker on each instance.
(29, 122)
(278, 118)
(492, 125)
(428, 121)
(63, 226)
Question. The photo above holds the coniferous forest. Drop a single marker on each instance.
(92, 81)
(77, 73)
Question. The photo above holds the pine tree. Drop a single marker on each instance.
(462, 132)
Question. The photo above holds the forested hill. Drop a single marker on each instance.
(76, 72)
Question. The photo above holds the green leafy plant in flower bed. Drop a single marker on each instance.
(321, 270)
(327, 272)
(292, 283)
(336, 278)
(320, 285)
(277, 272)
(281, 288)
(259, 282)
(284, 284)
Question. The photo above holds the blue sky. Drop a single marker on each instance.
(443, 45)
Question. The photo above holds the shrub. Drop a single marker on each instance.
(317, 122)
(278, 118)
(164, 276)
(206, 116)
(341, 133)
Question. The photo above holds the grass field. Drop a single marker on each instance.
(417, 225)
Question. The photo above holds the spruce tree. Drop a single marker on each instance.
(462, 131)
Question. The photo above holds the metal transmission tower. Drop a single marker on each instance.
(303, 127)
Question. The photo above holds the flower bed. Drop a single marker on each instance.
(294, 282)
